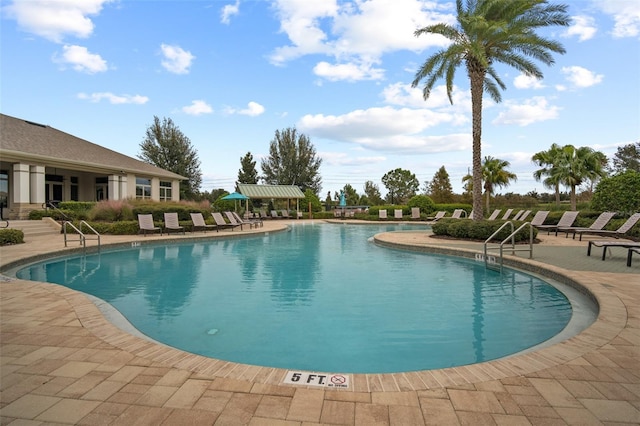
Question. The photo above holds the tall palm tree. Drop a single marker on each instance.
(578, 165)
(489, 32)
(494, 174)
(548, 160)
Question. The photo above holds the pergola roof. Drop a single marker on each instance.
(270, 191)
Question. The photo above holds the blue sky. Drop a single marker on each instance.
(231, 73)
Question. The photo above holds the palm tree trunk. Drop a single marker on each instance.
(573, 198)
(476, 77)
(557, 195)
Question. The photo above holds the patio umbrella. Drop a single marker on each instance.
(235, 196)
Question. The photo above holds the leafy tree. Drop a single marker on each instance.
(426, 204)
(490, 32)
(494, 174)
(578, 165)
(627, 157)
(439, 188)
(328, 202)
(292, 160)
(247, 172)
(548, 161)
(401, 184)
(618, 193)
(310, 197)
(372, 191)
(165, 146)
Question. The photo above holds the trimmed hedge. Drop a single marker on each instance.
(478, 230)
(10, 236)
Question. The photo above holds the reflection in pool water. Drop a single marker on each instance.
(320, 297)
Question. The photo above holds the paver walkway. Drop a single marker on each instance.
(62, 362)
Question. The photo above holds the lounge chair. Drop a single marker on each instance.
(597, 225)
(494, 215)
(221, 223)
(256, 221)
(524, 215)
(507, 214)
(566, 220)
(285, 214)
(415, 213)
(264, 215)
(200, 224)
(238, 222)
(397, 214)
(439, 215)
(608, 244)
(274, 215)
(539, 218)
(337, 213)
(620, 232)
(631, 251)
(145, 224)
(382, 214)
(171, 223)
(458, 213)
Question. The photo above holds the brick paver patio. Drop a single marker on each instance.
(62, 362)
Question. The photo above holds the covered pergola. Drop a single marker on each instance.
(268, 192)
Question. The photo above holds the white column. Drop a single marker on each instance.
(123, 187)
(36, 180)
(114, 187)
(21, 185)
(175, 190)
(155, 189)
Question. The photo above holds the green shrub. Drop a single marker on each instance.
(424, 202)
(618, 193)
(77, 205)
(11, 236)
(453, 206)
(55, 214)
(478, 230)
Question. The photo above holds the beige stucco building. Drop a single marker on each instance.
(40, 164)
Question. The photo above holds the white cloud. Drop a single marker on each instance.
(81, 59)
(228, 11)
(349, 71)
(54, 20)
(253, 110)
(386, 129)
(355, 34)
(583, 27)
(626, 16)
(114, 99)
(531, 111)
(345, 159)
(176, 59)
(197, 107)
(524, 81)
(581, 77)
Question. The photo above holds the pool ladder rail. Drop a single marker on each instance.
(82, 237)
(490, 262)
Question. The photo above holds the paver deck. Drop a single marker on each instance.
(62, 362)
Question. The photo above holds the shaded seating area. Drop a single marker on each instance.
(145, 224)
(618, 233)
(171, 223)
(565, 221)
(599, 224)
(199, 223)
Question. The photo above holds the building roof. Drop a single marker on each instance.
(270, 191)
(24, 140)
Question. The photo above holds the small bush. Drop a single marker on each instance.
(425, 203)
(10, 236)
(77, 206)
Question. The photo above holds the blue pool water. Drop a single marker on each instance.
(320, 297)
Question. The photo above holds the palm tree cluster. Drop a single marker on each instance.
(569, 166)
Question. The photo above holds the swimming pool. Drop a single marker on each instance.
(320, 298)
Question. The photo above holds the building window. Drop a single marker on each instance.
(165, 191)
(74, 188)
(4, 188)
(143, 188)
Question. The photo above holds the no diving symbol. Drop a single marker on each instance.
(338, 380)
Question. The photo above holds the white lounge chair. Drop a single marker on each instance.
(145, 224)
(415, 213)
(382, 214)
(439, 215)
(397, 214)
(171, 223)
(566, 220)
(200, 224)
